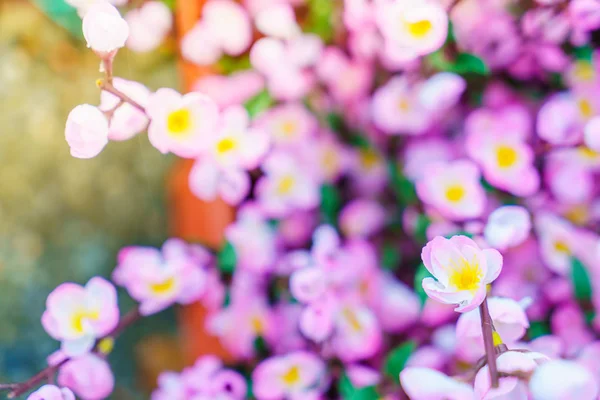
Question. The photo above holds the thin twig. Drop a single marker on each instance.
(18, 389)
(105, 85)
(488, 340)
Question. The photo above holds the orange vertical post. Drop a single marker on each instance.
(189, 217)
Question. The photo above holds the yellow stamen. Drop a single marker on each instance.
(106, 345)
(80, 316)
(577, 214)
(257, 325)
(286, 184)
(403, 105)
(225, 145)
(588, 153)
(583, 71)
(419, 29)
(368, 158)
(561, 247)
(163, 287)
(179, 122)
(585, 108)
(289, 128)
(352, 319)
(497, 339)
(455, 193)
(292, 376)
(506, 156)
(465, 276)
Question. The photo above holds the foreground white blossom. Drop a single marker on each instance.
(86, 131)
(104, 29)
(507, 226)
(429, 384)
(561, 380)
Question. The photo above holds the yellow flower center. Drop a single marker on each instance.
(403, 105)
(585, 108)
(292, 376)
(225, 145)
(455, 193)
(286, 184)
(289, 128)
(352, 319)
(588, 153)
(257, 325)
(368, 158)
(561, 247)
(330, 160)
(577, 214)
(80, 316)
(466, 276)
(179, 122)
(506, 156)
(584, 71)
(163, 287)
(419, 29)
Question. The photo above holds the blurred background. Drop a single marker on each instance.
(63, 218)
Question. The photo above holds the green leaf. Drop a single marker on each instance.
(580, 278)
(259, 103)
(320, 19)
(335, 122)
(170, 4)
(421, 274)
(347, 391)
(63, 14)
(396, 360)
(584, 53)
(390, 256)
(459, 233)
(421, 226)
(402, 186)
(229, 64)
(466, 63)
(227, 259)
(537, 329)
(330, 204)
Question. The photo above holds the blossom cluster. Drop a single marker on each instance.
(416, 185)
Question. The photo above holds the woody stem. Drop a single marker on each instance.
(487, 329)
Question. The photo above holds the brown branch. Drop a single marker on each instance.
(109, 87)
(487, 330)
(18, 389)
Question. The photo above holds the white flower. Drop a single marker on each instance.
(86, 131)
(507, 226)
(561, 379)
(104, 29)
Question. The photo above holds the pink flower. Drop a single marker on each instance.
(89, 376)
(235, 148)
(511, 387)
(441, 91)
(506, 160)
(104, 29)
(461, 271)
(291, 376)
(159, 280)
(126, 121)
(285, 64)
(170, 387)
(347, 79)
(507, 226)
(285, 187)
(395, 108)
(561, 379)
(420, 152)
(415, 27)
(86, 131)
(51, 392)
(278, 20)
(230, 90)
(288, 124)
(224, 28)
(253, 240)
(453, 188)
(585, 14)
(428, 384)
(556, 238)
(149, 25)
(181, 124)
(362, 376)
(242, 322)
(362, 218)
(357, 335)
(396, 305)
(78, 315)
(559, 120)
(510, 322)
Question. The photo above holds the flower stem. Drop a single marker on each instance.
(487, 329)
(17, 389)
(108, 86)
